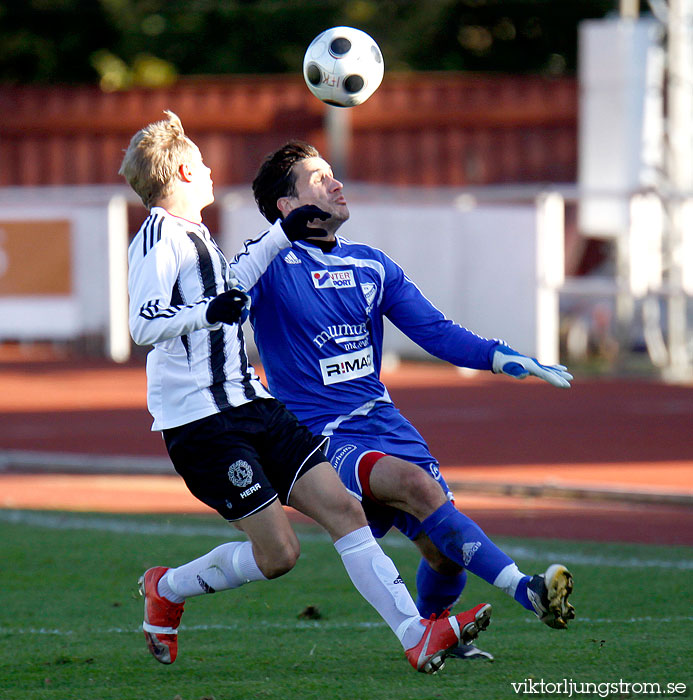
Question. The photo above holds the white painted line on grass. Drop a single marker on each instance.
(65, 521)
(573, 557)
(329, 626)
(68, 521)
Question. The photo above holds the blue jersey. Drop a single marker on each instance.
(318, 322)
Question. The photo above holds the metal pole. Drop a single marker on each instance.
(680, 177)
(629, 9)
(338, 126)
(625, 304)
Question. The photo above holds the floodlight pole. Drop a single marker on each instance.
(338, 126)
(679, 168)
(629, 8)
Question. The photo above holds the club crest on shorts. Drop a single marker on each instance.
(240, 473)
(435, 472)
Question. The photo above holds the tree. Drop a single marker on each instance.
(124, 41)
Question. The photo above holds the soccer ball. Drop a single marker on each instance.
(343, 66)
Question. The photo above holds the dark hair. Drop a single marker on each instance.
(276, 178)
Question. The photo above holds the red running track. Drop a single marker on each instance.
(627, 436)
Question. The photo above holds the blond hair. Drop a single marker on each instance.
(154, 155)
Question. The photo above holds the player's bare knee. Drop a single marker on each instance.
(279, 562)
(345, 516)
(352, 511)
(277, 568)
(419, 488)
(348, 511)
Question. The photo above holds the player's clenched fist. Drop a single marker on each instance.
(229, 307)
(295, 225)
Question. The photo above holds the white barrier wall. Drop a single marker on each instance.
(63, 266)
(492, 267)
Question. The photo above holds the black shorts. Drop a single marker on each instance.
(240, 460)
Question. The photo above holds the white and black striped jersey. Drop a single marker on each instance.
(195, 369)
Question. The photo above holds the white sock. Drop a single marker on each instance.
(376, 578)
(228, 566)
(508, 578)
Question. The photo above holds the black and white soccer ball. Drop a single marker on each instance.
(343, 66)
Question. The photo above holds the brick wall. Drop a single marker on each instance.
(418, 129)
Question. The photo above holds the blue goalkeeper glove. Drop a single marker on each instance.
(229, 307)
(510, 362)
(295, 225)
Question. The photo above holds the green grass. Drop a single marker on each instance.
(70, 620)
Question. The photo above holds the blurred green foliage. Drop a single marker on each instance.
(126, 42)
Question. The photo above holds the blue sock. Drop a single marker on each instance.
(521, 594)
(437, 592)
(463, 541)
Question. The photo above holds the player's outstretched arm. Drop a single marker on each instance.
(510, 362)
(253, 260)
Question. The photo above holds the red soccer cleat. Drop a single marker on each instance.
(443, 634)
(161, 617)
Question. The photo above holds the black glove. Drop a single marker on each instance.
(228, 307)
(295, 225)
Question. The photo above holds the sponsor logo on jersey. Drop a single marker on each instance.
(292, 258)
(240, 474)
(349, 336)
(337, 279)
(343, 368)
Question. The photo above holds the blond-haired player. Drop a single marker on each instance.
(238, 449)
